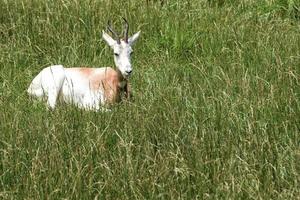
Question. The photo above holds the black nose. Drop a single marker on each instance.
(128, 71)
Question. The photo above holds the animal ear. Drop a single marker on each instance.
(108, 39)
(133, 38)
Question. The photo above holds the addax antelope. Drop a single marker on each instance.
(89, 88)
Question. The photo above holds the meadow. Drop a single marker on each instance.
(215, 114)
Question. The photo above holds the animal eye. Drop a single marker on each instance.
(116, 54)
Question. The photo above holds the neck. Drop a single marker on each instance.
(124, 84)
(122, 80)
(120, 75)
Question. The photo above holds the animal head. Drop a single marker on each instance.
(122, 48)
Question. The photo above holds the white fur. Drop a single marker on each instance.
(59, 83)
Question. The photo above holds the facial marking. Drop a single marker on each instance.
(122, 53)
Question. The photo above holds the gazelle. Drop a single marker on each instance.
(89, 88)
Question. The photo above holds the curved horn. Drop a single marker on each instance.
(126, 27)
(113, 32)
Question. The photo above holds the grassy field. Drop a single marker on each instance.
(216, 113)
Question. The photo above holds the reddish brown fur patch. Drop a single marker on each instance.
(86, 71)
(108, 82)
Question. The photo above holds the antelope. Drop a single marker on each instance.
(89, 88)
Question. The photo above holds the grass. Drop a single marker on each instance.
(216, 113)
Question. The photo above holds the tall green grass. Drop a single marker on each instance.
(216, 113)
